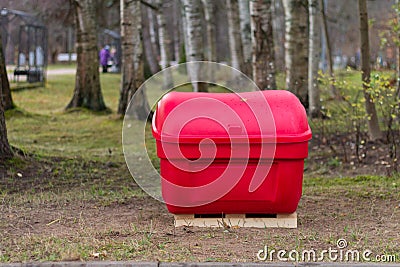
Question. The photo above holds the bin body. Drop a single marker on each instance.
(196, 151)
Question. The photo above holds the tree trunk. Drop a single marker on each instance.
(5, 85)
(132, 61)
(398, 47)
(151, 18)
(235, 39)
(5, 150)
(373, 123)
(263, 58)
(87, 91)
(245, 30)
(165, 42)
(184, 32)
(151, 55)
(209, 14)
(328, 49)
(177, 22)
(278, 28)
(194, 40)
(313, 59)
(296, 48)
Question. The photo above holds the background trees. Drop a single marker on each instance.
(194, 40)
(165, 43)
(296, 48)
(235, 38)
(317, 36)
(210, 20)
(87, 91)
(6, 97)
(5, 150)
(263, 54)
(314, 53)
(132, 60)
(245, 30)
(373, 123)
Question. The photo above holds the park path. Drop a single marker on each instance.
(56, 72)
(50, 72)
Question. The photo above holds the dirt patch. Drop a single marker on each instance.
(52, 215)
(150, 227)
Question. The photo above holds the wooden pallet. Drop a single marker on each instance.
(237, 220)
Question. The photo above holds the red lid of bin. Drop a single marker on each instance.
(261, 116)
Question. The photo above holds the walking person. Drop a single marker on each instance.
(105, 56)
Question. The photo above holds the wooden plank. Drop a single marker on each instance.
(237, 221)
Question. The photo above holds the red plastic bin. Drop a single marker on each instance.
(201, 137)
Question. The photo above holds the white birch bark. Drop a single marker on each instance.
(209, 8)
(278, 28)
(194, 39)
(314, 57)
(263, 54)
(235, 39)
(296, 48)
(184, 30)
(152, 29)
(132, 60)
(165, 42)
(151, 55)
(177, 22)
(244, 15)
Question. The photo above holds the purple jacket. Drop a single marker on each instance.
(104, 56)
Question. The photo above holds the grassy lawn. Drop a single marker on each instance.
(72, 197)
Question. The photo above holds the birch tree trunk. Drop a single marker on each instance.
(398, 47)
(165, 42)
(296, 48)
(177, 21)
(184, 30)
(194, 39)
(5, 150)
(263, 58)
(328, 49)
(151, 55)
(87, 91)
(245, 30)
(209, 14)
(132, 60)
(5, 85)
(313, 58)
(278, 28)
(235, 39)
(373, 123)
(151, 18)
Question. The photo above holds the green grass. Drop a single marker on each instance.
(59, 66)
(361, 186)
(41, 124)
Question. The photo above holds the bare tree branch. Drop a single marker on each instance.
(156, 8)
